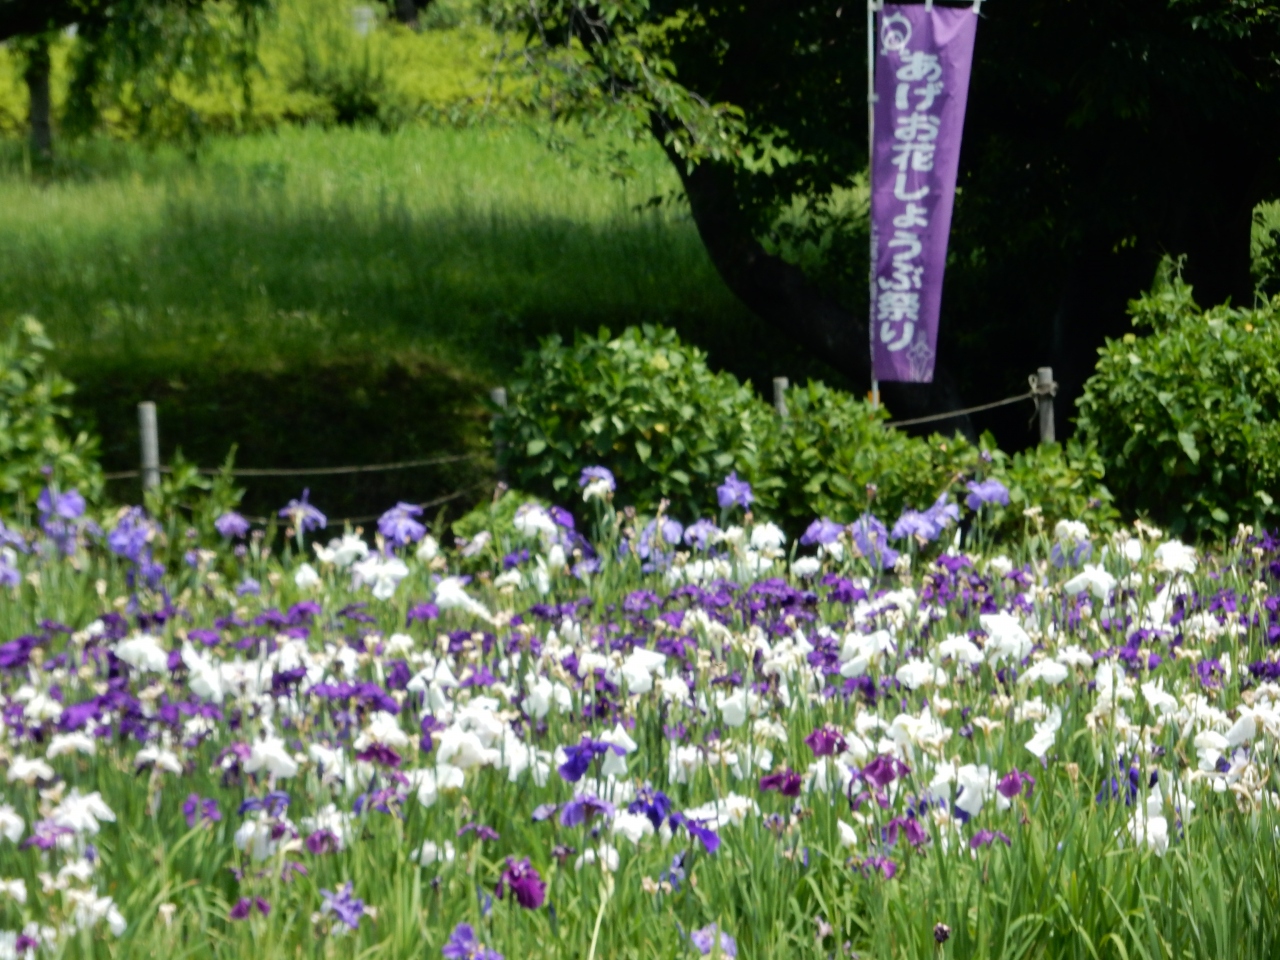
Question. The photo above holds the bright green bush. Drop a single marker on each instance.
(36, 444)
(833, 445)
(646, 406)
(1187, 418)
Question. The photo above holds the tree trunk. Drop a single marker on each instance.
(784, 297)
(36, 76)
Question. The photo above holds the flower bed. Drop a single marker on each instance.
(590, 734)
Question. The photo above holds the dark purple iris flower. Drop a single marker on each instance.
(826, 741)
(196, 809)
(46, 834)
(986, 491)
(231, 525)
(303, 515)
(734, 492)
(654, 804)
(910, 826)
(524, 882)
(1012, 783)
(579, 756)
(398, 526)
(883, 770)
(344, 905)
(66, 506)
(322, 842)
(241, 910)
(709, 839)
(786, 782)
(582, 808)
(481, 831)
(463, 945)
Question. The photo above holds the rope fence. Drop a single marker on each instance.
(1041, 390)
(307, 471)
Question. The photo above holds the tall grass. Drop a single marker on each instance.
(275, 255)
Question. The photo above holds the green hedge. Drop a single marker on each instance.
(1187, 418)
(646, 406)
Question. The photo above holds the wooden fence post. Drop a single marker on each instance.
(780, 385)
(499, 397)
(1045, 389)
(150, 441)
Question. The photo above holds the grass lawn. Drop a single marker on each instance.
(329, 296)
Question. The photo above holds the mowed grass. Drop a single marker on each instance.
(230, 288)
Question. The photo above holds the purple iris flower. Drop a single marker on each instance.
(463, 945)
(303, 515)
(913, 523)
(322, 841)
(67, 506)
(872, 540)
(12, 538)
(734, 492)
(786, 782)
(1012, 783)
(10, 576)
(343, 905)
(700, 534)
(883, 770)
(241, 910)
(986, 491)
(248, 587)
(984, 838)
(654, 804)
(592, 474)
(544, 811)
(560, 516)
(525, 883)
(481, 831)
(822, 530)
(579, 756)
(705, 939)
(131, 534)
(826, 741)
(709, 839)
(398, 526)
(582, 808)
(45, 835)
(231, 525)
(196, 809)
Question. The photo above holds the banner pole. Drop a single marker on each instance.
(871, 153)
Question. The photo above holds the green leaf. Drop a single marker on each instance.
(1188, 442)
(643, 450)
(535, 447)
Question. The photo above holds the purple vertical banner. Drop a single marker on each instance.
(922, 63)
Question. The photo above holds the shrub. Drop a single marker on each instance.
(1185, 418)
(36, 445)
(833, 445)
(647, 406)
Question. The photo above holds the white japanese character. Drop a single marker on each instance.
(900, 190)
(904, 238)
(918, 65)
(914, 156)
(927, 94)
(895, 306)
(914, 216)
(886, 335)
(919, 127)
(905, 277)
